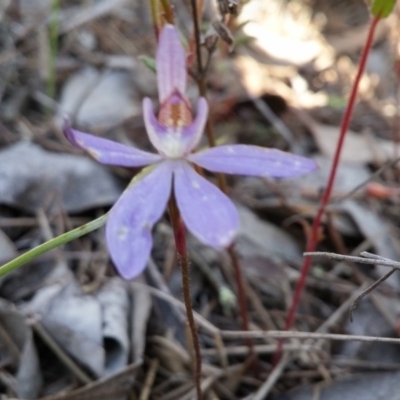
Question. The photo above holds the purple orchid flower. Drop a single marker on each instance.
(207, 212)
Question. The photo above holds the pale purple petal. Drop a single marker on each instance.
(155, 131)
(253, 160)
(207, 212)
(194, 132)
(129, 225)
(171, 63)
(107, 151)
(174, 142)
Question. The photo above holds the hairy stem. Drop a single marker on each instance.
(183, 259)
(241, 293)
(312, 243)
(201, 82)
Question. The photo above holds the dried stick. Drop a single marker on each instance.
(367, 258)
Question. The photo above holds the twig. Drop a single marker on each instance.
(376, 174)
(273, 334)
(148, 383)
(271, 117)
(368, 258)
(339, 257)
(369, 290)
(10, 344)
(266, 387)
(200, 320)
(304, 336)
(259, 349)
(61, 354)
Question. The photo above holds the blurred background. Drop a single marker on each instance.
(70, 328)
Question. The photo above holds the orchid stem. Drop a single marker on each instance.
(241, 294)
(312, 243)
(201, 82)
(180, 243)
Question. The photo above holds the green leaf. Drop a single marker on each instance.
(149, 62)
(52, 244)
(382, 8)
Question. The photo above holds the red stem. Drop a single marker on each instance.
(183, 259)
(201, 81)
(312, 243)
(241, 291)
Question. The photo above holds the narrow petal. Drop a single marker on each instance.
(194, 132)
(253, 160)
(109, 152)
(155, 131)
(171, 63)
(129, 225)
(207, 212)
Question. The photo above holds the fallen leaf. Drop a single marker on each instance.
(29, 174)
(115, 305)
(99, 99)
(368, 321)
(20, 346)
(348, 177)
(358, 148)
(74, 320)
(7, 249)
(142, 304)
(261, 238)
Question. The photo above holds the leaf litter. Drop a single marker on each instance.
(71, 329)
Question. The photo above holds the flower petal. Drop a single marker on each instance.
(171, 63)
(174, 142)
(155, 131)
(129, 225)
(207, 212)
(253, 160)
(109, 152)
(194, 132)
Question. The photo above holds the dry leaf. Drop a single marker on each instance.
(74, 320)
(29, 175)
(115, 305)
(99, 99)
(17, 342)
(142, 304)
(358, 148)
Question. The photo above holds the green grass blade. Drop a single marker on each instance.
(52, 244)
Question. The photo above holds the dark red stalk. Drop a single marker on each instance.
(312, 243)
(201, 81)
(183, 259)
(241, 295)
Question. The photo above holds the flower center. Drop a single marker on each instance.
(175, 114)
